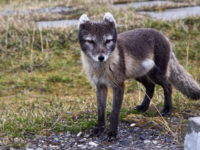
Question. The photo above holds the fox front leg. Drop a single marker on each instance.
(118, 94)
(101, 94)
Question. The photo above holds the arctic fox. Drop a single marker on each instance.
(144, 54)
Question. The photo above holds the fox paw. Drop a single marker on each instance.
(97, 130)
(166, 112)
(111, 136)
(141, 108)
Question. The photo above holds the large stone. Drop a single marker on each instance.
(192, 138)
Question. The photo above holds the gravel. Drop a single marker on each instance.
(128, 138)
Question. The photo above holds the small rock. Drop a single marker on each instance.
(136, 129)
(143, 137)
(125, 142)
(159, 146)
(147, 141)
(89, 148)
(70, 144)
(68, 134)
(155, 142)
(82, 146)
(132, 124)
(39, 148)
(130, 137)
(87, 136)
(79, 134)
(82, 140)
(27, 148)
(140, 145)
(16, 140)
(53, 146)
(93, 144)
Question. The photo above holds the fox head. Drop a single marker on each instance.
(97, 39)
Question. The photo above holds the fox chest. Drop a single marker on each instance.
(101, 75)
(100, 78)
(107, 75)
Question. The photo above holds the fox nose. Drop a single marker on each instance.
(101, 58)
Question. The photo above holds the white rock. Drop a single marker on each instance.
(130, 137)
(93, 144)
(79, 134)
(16, 140)
(87, 136)
(158, 146)
(147, 141)
(68, 134)
(155, 142)
(132, 124)
(27, 148)
(82, 146)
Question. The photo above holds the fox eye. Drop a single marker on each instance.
(90, 41)
(108, 41)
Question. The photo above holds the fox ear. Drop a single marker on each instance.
(83, 19)
(109, 17)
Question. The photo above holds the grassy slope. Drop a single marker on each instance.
(42, 87)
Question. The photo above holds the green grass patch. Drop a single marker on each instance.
(58, 78)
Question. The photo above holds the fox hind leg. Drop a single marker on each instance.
(167, 88)
(167, 109)
(149, 86)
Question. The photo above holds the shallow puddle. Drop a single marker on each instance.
(57, 9)
(145, 4)
(57, 24)
(173, 14)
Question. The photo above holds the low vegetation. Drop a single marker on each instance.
(43, 88)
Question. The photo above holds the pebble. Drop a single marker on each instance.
(27, 148)
(143, 137)
(87, 136)
(130, 137)
(79, 134)
(16, 140)
(155, 142)
(82, 140)
(93, 144)
(82, 146)
(68, 134)
(158, 146)
(136, 129)
(132, 124)
(147, 141)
